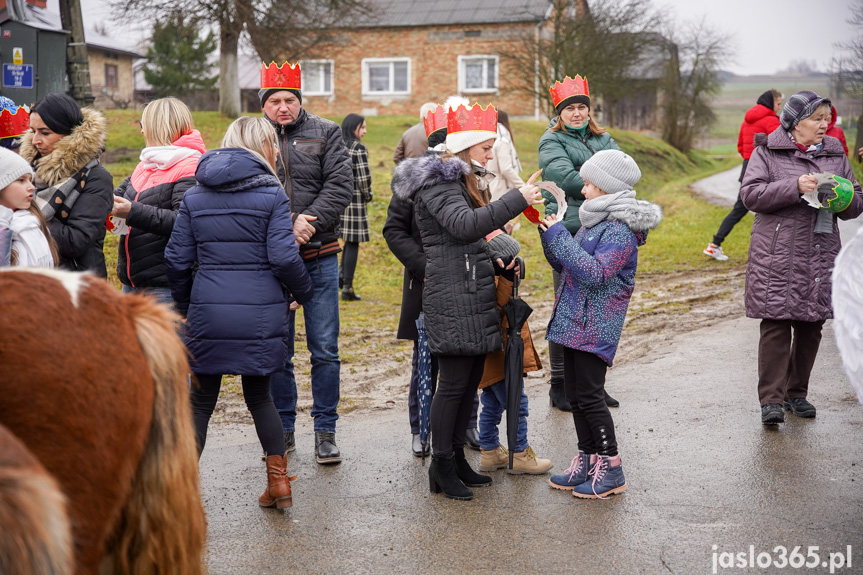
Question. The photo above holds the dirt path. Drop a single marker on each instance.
(663, 305)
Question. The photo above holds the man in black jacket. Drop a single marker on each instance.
(315, 171)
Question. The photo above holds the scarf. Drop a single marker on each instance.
(165, 157)
(60, 198)
(483, 177)
(29, 242)
(605, 207)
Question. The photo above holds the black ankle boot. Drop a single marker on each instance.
(443, 477)
(557, 397)
(467, 475)
(610, 401)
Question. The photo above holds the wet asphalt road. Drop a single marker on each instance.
(701, 469)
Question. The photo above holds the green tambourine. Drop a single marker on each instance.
(835, 192)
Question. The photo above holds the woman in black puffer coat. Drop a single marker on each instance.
(451, 202)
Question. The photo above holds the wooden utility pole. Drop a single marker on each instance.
(77, 65)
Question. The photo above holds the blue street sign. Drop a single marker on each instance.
(17, 75)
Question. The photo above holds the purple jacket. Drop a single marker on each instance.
(789, 269)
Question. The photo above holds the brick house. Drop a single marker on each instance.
(416, 52)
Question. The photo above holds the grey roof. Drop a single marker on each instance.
(402, 13)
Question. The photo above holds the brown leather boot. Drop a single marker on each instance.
(278, 491)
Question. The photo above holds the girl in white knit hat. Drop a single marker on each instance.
(597, 271)
(32, 244)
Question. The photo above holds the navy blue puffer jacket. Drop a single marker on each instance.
(236, 224)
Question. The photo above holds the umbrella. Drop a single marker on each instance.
(424, 382)
(517, 311)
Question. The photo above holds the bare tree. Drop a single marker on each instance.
(851, 68)
(691, 79)
(608, 42)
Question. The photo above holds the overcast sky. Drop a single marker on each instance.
(766, 34)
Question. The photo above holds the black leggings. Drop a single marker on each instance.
(256, 391)
(584, 381)
(452, 405)
(350, 254)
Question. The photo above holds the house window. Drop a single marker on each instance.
(383, 76)
(110, 75)
(317, 77)
(477, 74)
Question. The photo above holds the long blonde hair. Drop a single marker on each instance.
(52, 245)
(255, 135)
(164, 120)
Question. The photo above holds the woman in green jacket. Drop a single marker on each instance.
(570, 139)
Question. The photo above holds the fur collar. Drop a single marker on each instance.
(428, 170)
(71, 153)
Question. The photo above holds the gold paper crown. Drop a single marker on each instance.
(284, 77)
(14, 125)
(476, 119)
(435, 120)
(569, 87)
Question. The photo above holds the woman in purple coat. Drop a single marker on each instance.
(792, 250)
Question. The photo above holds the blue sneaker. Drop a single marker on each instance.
(607, 479)
(576, 474)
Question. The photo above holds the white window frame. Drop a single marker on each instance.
(391, 91)
(462, 76)
(310, 92)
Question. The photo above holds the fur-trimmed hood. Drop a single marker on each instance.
(428, 170)
(639, 217)
(72, 152)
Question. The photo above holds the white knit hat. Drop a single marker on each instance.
(611, 171)
(12, 167)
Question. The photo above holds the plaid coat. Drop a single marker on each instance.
(354, 226)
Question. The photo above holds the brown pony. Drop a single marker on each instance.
(94, 383)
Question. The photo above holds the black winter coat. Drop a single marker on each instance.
(321, 179)
(402, 234)
(459, 295)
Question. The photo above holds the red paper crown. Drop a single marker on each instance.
(14, 125)
(435, 120)
(476, 118)
(568, 88)
(284, 77)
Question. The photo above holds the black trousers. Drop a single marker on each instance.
(452, 405)
(256, 391)
(350, 255)
(584, 382)
(734, 216)
(785, 362)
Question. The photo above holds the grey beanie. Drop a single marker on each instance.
(799, 107)
(502, 245)
(611, 171)
(12, 167)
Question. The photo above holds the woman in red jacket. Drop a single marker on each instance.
(762, 118)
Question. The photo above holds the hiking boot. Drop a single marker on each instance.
(471, 438)
(467, 475)
(417, 446)
(494, 459)
(610, 401)
(527, 462)
(799, 406)
(325, 448)
(715, 252)
(557, 397)
(772, 414)
(577, 473)
(606, 479)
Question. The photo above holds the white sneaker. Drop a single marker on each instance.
(715, 252)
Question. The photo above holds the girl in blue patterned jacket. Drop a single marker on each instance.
(597, 267)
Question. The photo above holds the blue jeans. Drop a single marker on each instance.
(493, 405)
(322, 338)
(162, 294)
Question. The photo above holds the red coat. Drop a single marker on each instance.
(758, 120)
(836, 131)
